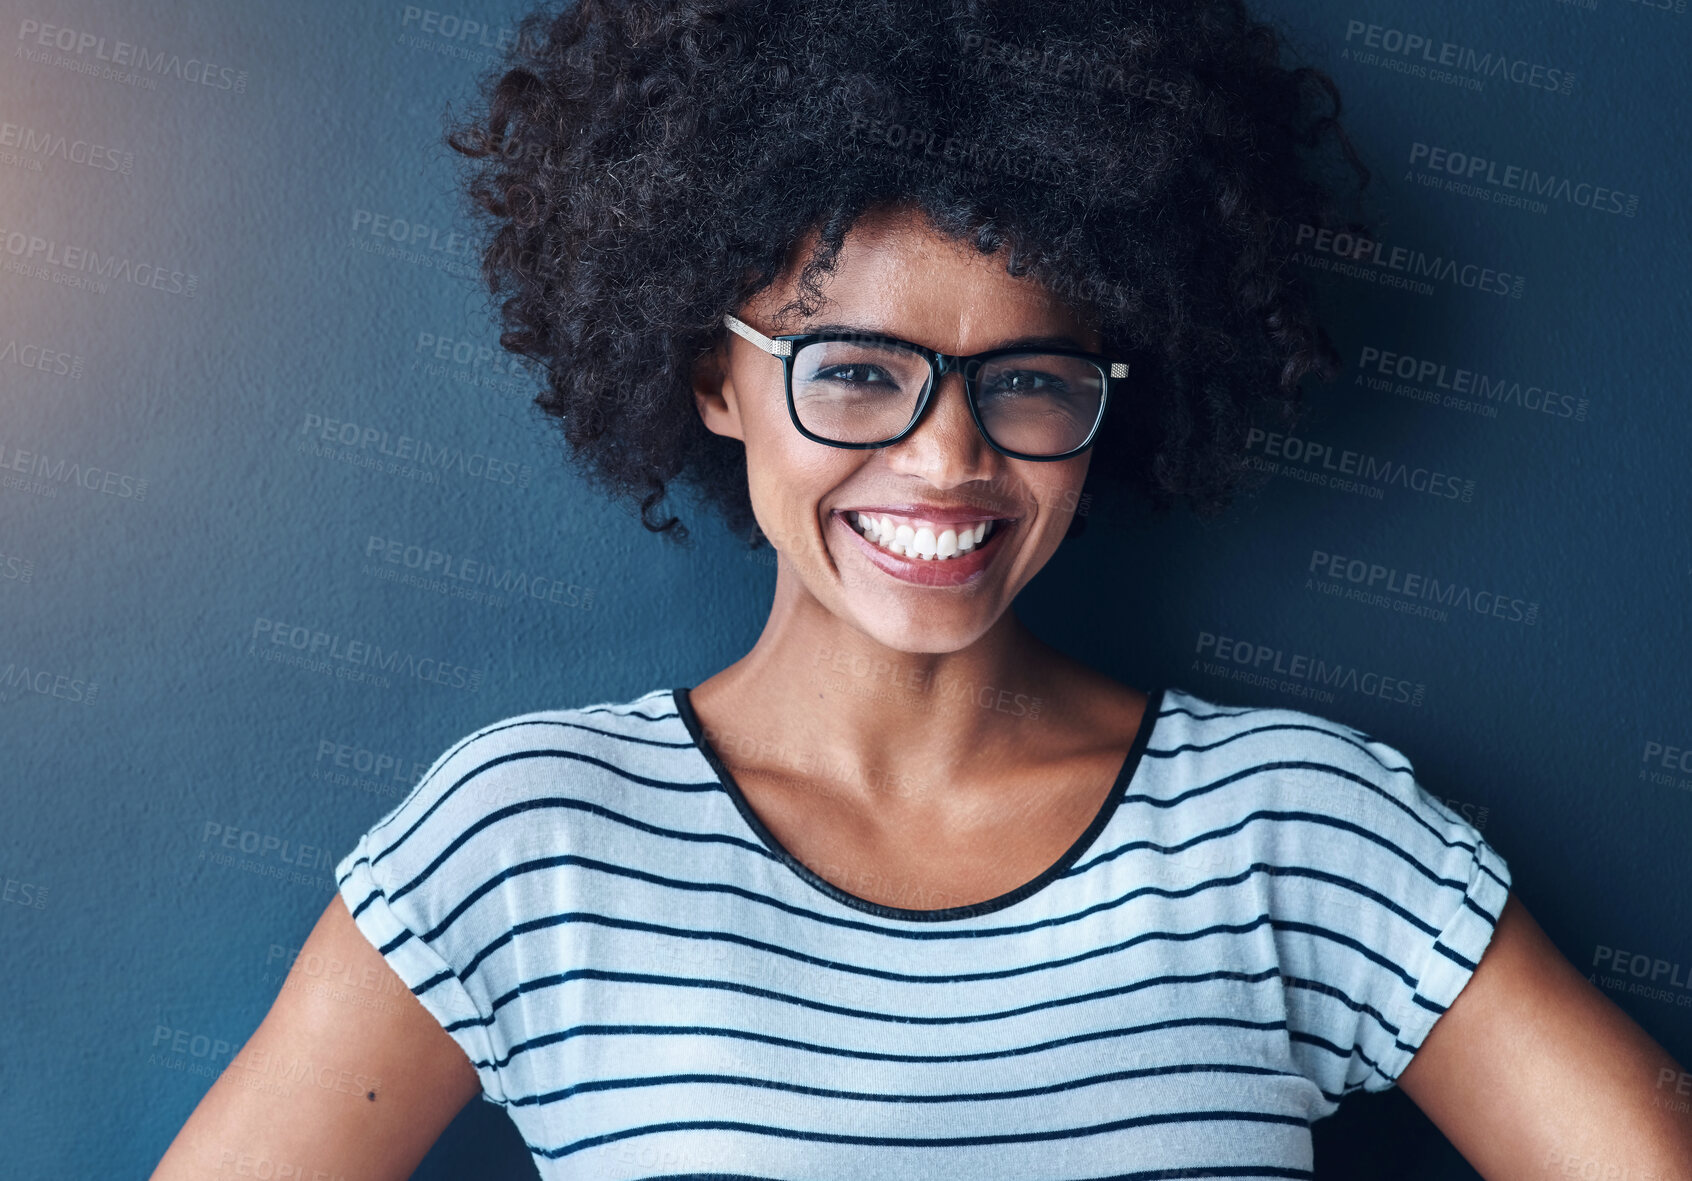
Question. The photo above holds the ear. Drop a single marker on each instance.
(714, 393)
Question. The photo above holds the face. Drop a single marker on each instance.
(898, 277)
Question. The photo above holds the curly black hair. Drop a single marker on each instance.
(644, 167)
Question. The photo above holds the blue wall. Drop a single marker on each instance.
(190, 508)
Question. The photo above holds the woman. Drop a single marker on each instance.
(905, 892)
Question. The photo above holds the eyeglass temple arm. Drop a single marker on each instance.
(777, 348)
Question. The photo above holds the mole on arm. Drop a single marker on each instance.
(370, 1095)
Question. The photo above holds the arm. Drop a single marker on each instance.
(1533, 1072)
(265, 1105)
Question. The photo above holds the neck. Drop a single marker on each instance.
(844, 696)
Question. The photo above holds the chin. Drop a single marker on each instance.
(925, 631)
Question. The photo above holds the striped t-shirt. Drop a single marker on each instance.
(1267, 914)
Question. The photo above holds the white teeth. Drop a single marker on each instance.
(921, 542)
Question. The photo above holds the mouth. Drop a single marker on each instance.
(925, 553)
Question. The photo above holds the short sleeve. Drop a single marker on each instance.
(407, 883)
(1479, 884)
(1411, 894)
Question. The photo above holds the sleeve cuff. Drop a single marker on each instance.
(430, 978)
(1451, 959)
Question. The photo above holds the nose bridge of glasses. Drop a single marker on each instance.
(946, 364)
(949, 401)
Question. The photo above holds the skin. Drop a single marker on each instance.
(1532, 1072)
(1017, 788)
(380, 1032)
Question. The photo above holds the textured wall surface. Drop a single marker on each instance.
(210, 264)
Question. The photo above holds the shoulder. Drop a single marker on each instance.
(1291, 758)
(497, 777)
(1383, 898)
(437, 882)
(520, 749)
(1318, 798)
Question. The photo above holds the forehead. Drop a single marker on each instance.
(897, 274)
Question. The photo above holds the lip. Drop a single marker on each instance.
(945, 573)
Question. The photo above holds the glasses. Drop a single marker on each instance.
(858, 389)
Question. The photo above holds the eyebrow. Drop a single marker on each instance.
(1052, 341)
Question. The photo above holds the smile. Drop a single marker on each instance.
(925, 553)
(928, 543)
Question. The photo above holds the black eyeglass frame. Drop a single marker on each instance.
(940, 364)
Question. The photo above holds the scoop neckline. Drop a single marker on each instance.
(1125, 776)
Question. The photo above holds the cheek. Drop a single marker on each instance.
(1056, 487)
(788, 477)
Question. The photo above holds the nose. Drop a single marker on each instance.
(946, 448)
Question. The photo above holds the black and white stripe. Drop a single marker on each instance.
(1268, 914)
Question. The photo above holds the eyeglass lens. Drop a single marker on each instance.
(865, 392)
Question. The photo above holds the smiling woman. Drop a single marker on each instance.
(905, 891)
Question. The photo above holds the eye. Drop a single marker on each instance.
(855, 373)
(1025, 381)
